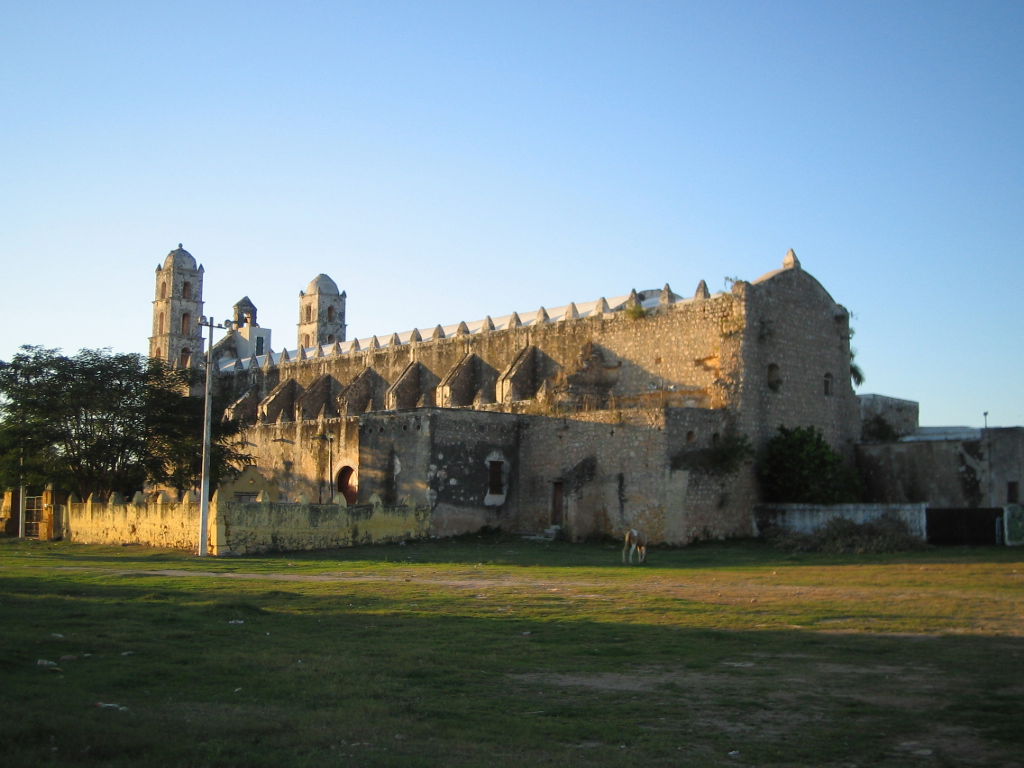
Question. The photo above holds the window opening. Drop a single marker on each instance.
(828, 385)
(33, 516)
(494, 477)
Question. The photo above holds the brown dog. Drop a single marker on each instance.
(635, 542)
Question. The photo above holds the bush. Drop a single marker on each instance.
(840, 536)
(798, 466)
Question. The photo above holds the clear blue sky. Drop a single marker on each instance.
(447, 160)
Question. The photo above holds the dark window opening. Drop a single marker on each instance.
(774, 378)
(186, 290)
(259, 345)
(1013, 492)
(828, 385)
(186, 324)
(495, 485)
(346, 484)
(557, 502)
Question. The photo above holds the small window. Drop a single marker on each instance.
(691, 437)
(330, 314)
(1013, 492)
(330, 338)
(186, 290)
(774, 378)
(163, 290)
(186, 324)
(160, 323)
(309, 314)
(186, 357)
(305, 340)
(246, 496)
(828, 385)
(259, 345)
(495, 470)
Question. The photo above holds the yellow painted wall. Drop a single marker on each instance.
(237, 528)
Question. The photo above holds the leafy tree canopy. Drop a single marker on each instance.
(99, 422)
(799, 466)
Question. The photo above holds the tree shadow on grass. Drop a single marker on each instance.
(242, 674)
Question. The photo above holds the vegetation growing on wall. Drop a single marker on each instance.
(799, 466)
(878, 430)
(723, 457)
(636, 312)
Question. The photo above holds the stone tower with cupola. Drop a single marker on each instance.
(177, 338)
(321, 313)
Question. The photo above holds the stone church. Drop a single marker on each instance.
(593, 417)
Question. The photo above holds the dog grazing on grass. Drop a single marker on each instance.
(636, 542)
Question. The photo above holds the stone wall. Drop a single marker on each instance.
(238, 527)
(885, 417)
(796, 361)
(154, 523)
(808, 518)
(981, 468)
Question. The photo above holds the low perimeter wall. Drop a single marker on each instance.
(238, 528)
(808, 518)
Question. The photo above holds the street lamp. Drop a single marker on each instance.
(204, 485)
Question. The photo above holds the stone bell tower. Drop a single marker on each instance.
(321, 313)
(177, 307)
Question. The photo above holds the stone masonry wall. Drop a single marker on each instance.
(253, 527)
(237, 528)
(795, 337)
(154, 523)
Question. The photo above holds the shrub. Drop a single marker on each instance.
(840, 536)
(798, 466)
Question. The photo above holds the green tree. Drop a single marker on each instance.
(98, 422)
(799, 466)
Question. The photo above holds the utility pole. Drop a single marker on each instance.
(204, 484)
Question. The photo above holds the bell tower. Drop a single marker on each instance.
(321, 313)
(177, 307)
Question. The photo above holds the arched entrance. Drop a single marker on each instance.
(346, 484)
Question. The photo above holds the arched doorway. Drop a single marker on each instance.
(347, 485)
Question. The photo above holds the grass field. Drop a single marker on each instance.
(501, 652)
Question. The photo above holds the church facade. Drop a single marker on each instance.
(634, 411)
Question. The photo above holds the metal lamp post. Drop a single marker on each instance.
(204, 484)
